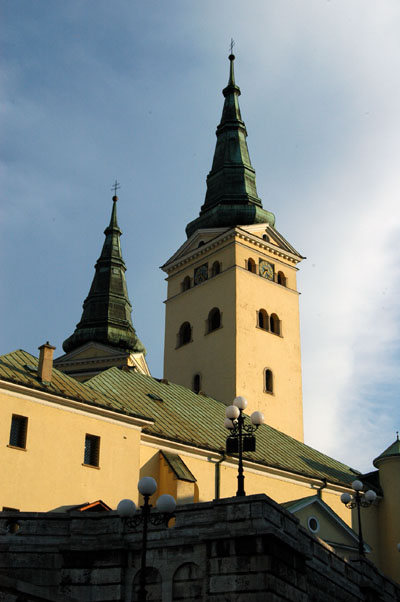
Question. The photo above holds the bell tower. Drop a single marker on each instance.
(232, 309)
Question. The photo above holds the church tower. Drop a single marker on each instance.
(232, 308)
(105, 335)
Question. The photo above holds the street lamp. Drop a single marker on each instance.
(241, 436)
(165, 505)
(357, 500)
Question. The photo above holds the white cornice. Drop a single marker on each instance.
(72, 405)
(237, 232)
(313, 483)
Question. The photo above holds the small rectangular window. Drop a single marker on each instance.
(92, 450)
(18, 431)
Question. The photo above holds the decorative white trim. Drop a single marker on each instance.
(78, 407)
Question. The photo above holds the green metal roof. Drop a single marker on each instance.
(178, 467)
(179, 415)
(392, 451)
(195, 419)
(20, 367)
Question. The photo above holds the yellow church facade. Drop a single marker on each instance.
(87, 425)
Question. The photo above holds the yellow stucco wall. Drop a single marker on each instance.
(49, 472)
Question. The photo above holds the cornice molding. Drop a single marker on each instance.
(82, 407)
(236, 232)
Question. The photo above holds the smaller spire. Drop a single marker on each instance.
(106, 316)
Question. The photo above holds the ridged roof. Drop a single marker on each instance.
(195, 419)
(20, 367)
(179, 415)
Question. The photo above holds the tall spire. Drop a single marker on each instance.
(106, 316)
(231, 197)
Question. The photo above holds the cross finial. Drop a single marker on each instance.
(397, 433)
(232, 45)
(115, 187)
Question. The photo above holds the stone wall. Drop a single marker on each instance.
(231, 550)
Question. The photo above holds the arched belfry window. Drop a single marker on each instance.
(186, 283)
(196, 383)
(216, 268)
(268, 381)
(274, 324)
(263, 321)
(281, 279)
(185, 334)
(214, 319)
(251, 265)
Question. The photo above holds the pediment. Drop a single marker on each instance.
(196, 241)
(91, 350)
(270, 235)
(314, 512)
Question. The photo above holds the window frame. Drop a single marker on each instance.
(196, 380)
(275, 322)
(264, 314)
(180, 338)
(215, 269)
(22, 435)
(211, 314)
(95, 456)
(267, 373)
(251, 265)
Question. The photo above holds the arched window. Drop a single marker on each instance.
(214, 319)
(201, 243)
(186, 283)
(216, 268)
(196, 383)
(268, 381)
(263, 319)
(281, 278)
(185, 334)
(274, 324)
(251, 265)
(187, 583)
(266, 237)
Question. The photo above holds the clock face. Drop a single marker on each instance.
(266, 269)
(201, 273)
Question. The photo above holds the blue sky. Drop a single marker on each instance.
(98, 90)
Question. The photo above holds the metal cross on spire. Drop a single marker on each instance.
(115, 187)
(232, 45)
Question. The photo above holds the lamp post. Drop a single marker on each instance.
(357, 500)
(165, 505)
(241, 436)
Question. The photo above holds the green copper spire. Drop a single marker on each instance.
(106, 316)
(231, 197)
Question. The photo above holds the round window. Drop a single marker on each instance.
(313, 524)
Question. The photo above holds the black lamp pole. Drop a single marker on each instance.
(240, 491)
(142, 593)
(241, 437)
(127, 509)
(359, 500)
